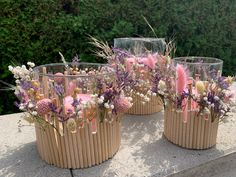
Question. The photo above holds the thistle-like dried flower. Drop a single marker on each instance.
(43, 106)
(200, 87)
(122, 104)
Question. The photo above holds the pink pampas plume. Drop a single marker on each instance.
(149, 61)
(181, 80)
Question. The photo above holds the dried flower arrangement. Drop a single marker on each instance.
(141, 71)
(192, 105)
(79, 104)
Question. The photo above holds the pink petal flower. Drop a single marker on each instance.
(69, 100)
(181, 79)
(68, 108)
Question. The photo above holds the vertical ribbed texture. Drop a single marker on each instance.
(153, 106)
(81, 149)
(196, 133)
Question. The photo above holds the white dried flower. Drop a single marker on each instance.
(10, 68)
(23, 67)
(149, 92)
(130, 98)
(112, 106)
(30, 105)
(106, 105)
(34, 113)
(21, 107)
(205, 98)
(100, 101)
(154, 94)
(31, 64)
(216, 98)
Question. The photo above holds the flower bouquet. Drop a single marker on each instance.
(140, 59)
(76, 108)
(142, 56)
(197, 97)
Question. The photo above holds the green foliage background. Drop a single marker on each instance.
(36, 30)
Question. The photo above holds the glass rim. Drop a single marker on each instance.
(146, 39)
(37, 68)
(217, 60)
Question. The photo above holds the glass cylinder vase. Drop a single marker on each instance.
(192, 120)
(76, 132)
(141, 48)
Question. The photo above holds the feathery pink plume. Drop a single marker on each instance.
(149, 61)
(181, 80)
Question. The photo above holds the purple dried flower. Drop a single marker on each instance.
(25, 85)
(124, 78)
(75, 102)
(53, 107)
(120, 55)
(59, 89)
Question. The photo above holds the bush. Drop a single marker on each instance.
(37, 30)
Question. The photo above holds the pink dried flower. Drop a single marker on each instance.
(181, 80)
(68, 105)
(149, 61)
(43, 106)
(68, 108)
(122, 104)
(72, 87)
(129, 62)
(58, 78)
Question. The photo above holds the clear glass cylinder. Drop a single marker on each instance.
(203, 68)
(83, 76)
(140, 46)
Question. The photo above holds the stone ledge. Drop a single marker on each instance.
(143, 152)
